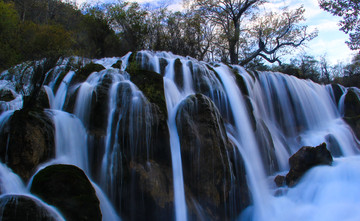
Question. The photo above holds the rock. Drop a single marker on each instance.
(152, 192)
(352, 111)
(266, 148)
(6, 95)
(306, 158)
(100, 106)
(27, 141)
(240, 81)
(152, 86)
(83, 73)
(67, 188)
(17, 207)
(179, 73)
(333, 145)
(338, 92)
(352, 104)
(207, 167)
(117, 64)
(280, 181)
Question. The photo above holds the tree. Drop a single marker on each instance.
(228, 15)
(350, 24)
(130, 20)
(272, 35)
(9, 28)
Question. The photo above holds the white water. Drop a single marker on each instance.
(246, 142)
(296, 113)
(70, 140)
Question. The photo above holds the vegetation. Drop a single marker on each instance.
(231, 31)
(349, 11)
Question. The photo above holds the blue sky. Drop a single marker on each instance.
(330, 41)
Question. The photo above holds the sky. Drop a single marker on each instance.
(329, 43)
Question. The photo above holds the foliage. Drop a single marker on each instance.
(349, 10)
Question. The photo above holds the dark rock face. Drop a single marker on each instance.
(352, 111)
(306, 158)
(117, 64)
(17, 207)
(27, 141)
(6, 95)
(337, 92)
(67, 188)
(207, 158)
(153, 197)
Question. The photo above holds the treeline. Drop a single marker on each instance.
(34, 29)
(234, 31)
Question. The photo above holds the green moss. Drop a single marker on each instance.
(151, 84)
(76, 199)
(83, 73)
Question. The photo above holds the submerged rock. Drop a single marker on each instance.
(207, 166)
(67, 188)
(24, 208)
(306, 158)
(27, 141)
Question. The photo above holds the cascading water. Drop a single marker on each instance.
(267, 118)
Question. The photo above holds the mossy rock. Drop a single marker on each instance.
(83, 73)
(117, 64)
(17, 207)
(152, 86)
(68, 189)
(206, 158)
(27, 141)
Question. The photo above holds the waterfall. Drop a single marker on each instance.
(107, 123)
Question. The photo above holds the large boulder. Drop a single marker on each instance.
(67, 188)
(206, 158)
(306, 158)
(26, 141)
(83, 73)
(24, 208)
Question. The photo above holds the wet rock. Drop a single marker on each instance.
(352, 111)
(240, 81)
(338, 92)
(152, 86)
(306, 158)
(117, 64)
(27, 141)
(67, 188)
(83, 73)
(153, 197)
(280, 181)
(352, 104)
(17, 207)
(333, 145)
(205, 147)
(266, 148)
(163, 63)
(6, 95)
(179, 73)
(100, 106)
